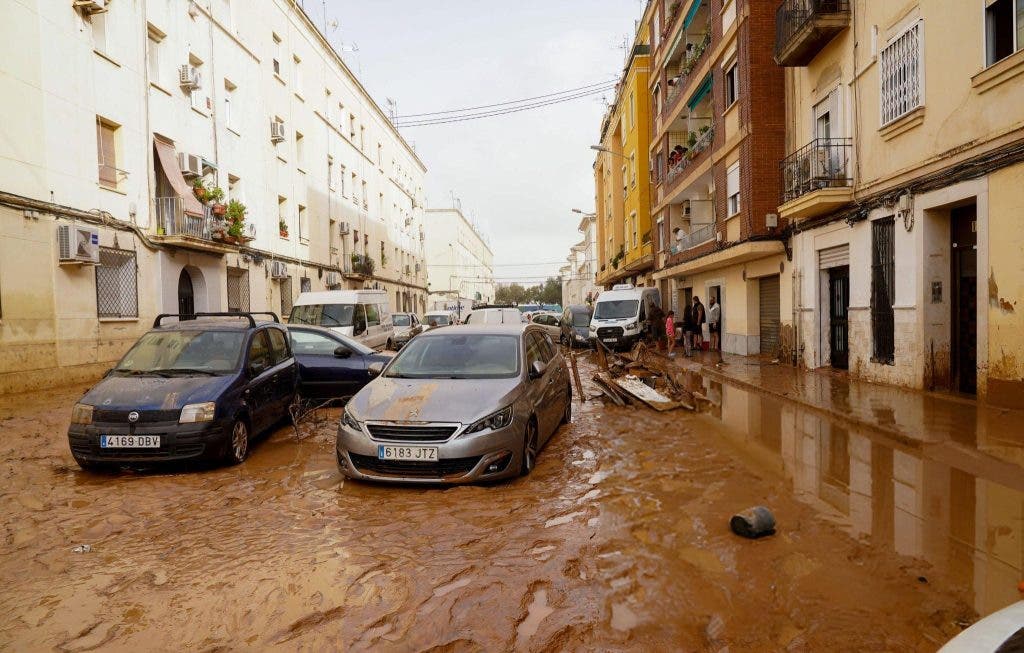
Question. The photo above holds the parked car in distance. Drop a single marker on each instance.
(620, 315)
(457, 405)
(360, 314)
(575, 326)
(439, 319)
(407, 325)
(550, 322)
(494, 316)
(330, 365)
(193, 389)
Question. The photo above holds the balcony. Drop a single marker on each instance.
(176, 227)
(362, 267)
(804, 27)
(694, 55)
(697, 236)
(816, 178)
(697, 142)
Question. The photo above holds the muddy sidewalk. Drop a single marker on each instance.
(618, 541)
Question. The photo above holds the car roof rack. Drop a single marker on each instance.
(191, 316)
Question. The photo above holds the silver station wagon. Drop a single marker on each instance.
(456, 405)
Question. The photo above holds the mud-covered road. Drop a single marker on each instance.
(618, 541)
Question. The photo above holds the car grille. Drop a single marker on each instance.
(411, 432)
(609, 332)
(145, 416)
(414, 468)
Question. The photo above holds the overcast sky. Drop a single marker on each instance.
(518, 175)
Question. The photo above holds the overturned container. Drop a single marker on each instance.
(753, 522)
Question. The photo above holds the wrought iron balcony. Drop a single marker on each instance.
(175, 226)
(822, 163)
(804, 27)
(701, 141)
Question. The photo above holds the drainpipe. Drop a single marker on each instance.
(150, 167)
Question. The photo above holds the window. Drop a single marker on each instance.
(366, 199)
(732, 189)
(330, 172)
(116, 289)
(99, 32)
(313, 344)
(234, 188)
(259, 352)
(732, 88)
(229, 95)
(632, 169)
(286, 296)
(305, 284)
(1004, 29)
(372, 315)
(196, 96)
(362, 138)
(238, 289)
(901, 74)
(153, 54)
(355, 200)
(300, 151)
(106, 152)
(380, 156)
(282, 215)
(632, 110)
(276, 61)
(883, 289)
(342, 180)
(303, 224)
(278, 345)
(632, 226)
(352, 126)
(297, 76)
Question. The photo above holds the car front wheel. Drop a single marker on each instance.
(238, 444)
(567, 412)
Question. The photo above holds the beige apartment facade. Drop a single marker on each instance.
(121, 108)
(460, 271)
(902, 183)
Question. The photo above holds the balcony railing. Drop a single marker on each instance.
(697, 236)
(803, 27)
(692, 59)
(171, 219)
(822, 163)
(702, 141)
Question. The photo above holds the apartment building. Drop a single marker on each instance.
(621, 175)
(578, 276)
(903, 182)
(718, 122)
(168, 157)
(460, 264)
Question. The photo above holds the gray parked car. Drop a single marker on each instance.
(456, 405)
(407, 325)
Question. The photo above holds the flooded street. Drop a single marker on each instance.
(619, 540)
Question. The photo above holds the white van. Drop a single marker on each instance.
(440, 318)
(620, 315)
(495, 316)
(361, 314)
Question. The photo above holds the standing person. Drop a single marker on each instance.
(657, 322)
(670, 329)
(699, 318)
(714, 323)
(687, 329)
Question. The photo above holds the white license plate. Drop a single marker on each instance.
(387, 452)
(610, 339)
(129, 442)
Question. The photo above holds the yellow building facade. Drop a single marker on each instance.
(622, 176)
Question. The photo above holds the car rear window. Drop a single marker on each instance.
(457, 356)
(401, 320)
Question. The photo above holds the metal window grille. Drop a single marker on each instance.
(286, 296)
(901, 74)
(238, 290)
(117, 283)
(883, 289)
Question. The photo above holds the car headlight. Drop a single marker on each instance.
(495, 421)
(348, 420)
(81, 414)
(193, 413)
(631, 325)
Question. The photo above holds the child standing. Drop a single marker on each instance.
(670, 329)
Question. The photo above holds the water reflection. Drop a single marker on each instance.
(934, 494)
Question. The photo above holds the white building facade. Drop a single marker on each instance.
(579, 276)
(460, 269)
(120, 112)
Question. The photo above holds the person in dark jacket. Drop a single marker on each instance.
(699, 316)
(657, 321)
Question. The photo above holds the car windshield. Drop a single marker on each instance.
(616, 309)
(581, 319)
(328, 315)
(458, 356)
(183, 352)
(439, 320)
(402, 320)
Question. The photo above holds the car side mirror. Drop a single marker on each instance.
(256, 369)
(537, 369)
(374, 369)
(342, 352)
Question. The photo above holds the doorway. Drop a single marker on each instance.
(964, 354)
(838, 306)
(186, 296)
(769, 296)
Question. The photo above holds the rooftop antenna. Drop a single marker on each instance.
(392, 108)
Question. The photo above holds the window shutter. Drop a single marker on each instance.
(732, 180)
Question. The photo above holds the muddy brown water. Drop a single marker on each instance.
(618, 541)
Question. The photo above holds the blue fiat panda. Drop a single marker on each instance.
(198, 387)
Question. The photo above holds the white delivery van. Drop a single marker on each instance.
(361, 314)
(494, 316)
(620, 315)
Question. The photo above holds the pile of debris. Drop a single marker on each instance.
(641, 376)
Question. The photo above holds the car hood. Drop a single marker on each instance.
(433, 400)
(154, 393)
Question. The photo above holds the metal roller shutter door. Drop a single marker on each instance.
(769, 313)
(834, 257)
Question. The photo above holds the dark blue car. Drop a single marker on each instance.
(193, 389)
(330, 365)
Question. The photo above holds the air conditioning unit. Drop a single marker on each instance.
(188, 77)
(77, 244)
(344, 229)
(332, 279)
(89, 7)
(276, 131)
(190, 164)
(278, 270)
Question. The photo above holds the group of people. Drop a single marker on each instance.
(677, 154)
(695, 316)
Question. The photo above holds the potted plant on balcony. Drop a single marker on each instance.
(199, 189)
(235, 213)
(215, 197)
(282, 227)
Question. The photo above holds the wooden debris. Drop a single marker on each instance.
(646, 394)
(642, 375)
(576, 376)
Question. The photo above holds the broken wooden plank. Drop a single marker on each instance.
(576, 375)
(606, 389)
(648, 395)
